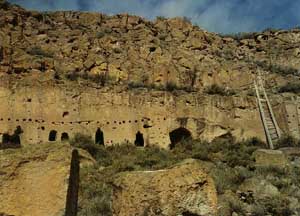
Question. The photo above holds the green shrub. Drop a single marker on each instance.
(255, 142)
(171, 86)
(133, 85)
(95, 194)
(100, 79)
(277, 206)
(236, 206)
(161, 18)
(287, 141)
(215, 89)
(73, 76)
(223, 178)
(100, 35)
(37, 51)
(241, 35)
(86, 143)
(275, 68)
(271, 170)
(290, 87)
(258, 210)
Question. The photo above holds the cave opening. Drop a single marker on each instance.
(179, 135)
(52, 135)
(12, 141)
(64, 136)
(99, 137)
(139, 139)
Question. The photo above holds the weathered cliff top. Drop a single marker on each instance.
(124, 50)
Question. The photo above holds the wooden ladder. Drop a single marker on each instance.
(271, 128)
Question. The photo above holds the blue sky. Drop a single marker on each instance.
(223, 16)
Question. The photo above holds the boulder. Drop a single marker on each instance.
(266, 157)
(185, 189)
(34, 180)
(260, 188)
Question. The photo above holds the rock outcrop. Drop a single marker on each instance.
(184, 189)
(34, 181)
(271, 158)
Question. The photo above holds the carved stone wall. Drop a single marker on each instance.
(120, 115)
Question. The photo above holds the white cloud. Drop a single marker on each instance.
(214, 15)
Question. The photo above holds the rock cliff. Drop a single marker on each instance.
(148, 78)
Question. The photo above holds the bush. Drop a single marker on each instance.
(171, 86)
(161, 18)
(287, 141)
(275, 68)
(100, 79)
(241, 35)
(133, 85)
(85, 142)
(215, 89)
(271, 170)
(37, 51)
(277, 206)
(73, 76)
(95, 194)
(100, 35)
(236, 206)
(290, 87)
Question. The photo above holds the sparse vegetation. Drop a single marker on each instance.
(170, 86)
(290, 87)
(133, 85)
(287, 141)
(231, 163)
(100, 34)
(161, 18)
(241, 35)
(100, 79)
(275, 68)
(37, 51)
(215, 89)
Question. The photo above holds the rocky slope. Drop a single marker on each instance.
(129, 50)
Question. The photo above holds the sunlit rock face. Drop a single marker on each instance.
(124, 79)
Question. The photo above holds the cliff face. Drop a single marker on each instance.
(131, 49)
(79, 72)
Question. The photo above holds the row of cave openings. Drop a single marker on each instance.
(99, 137)
(176, 136)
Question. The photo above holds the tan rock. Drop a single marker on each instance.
(181, 190)
(266, 157)
(34, 181)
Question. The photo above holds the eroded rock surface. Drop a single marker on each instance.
(34, 181)
(184, 189)
(73, 72)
